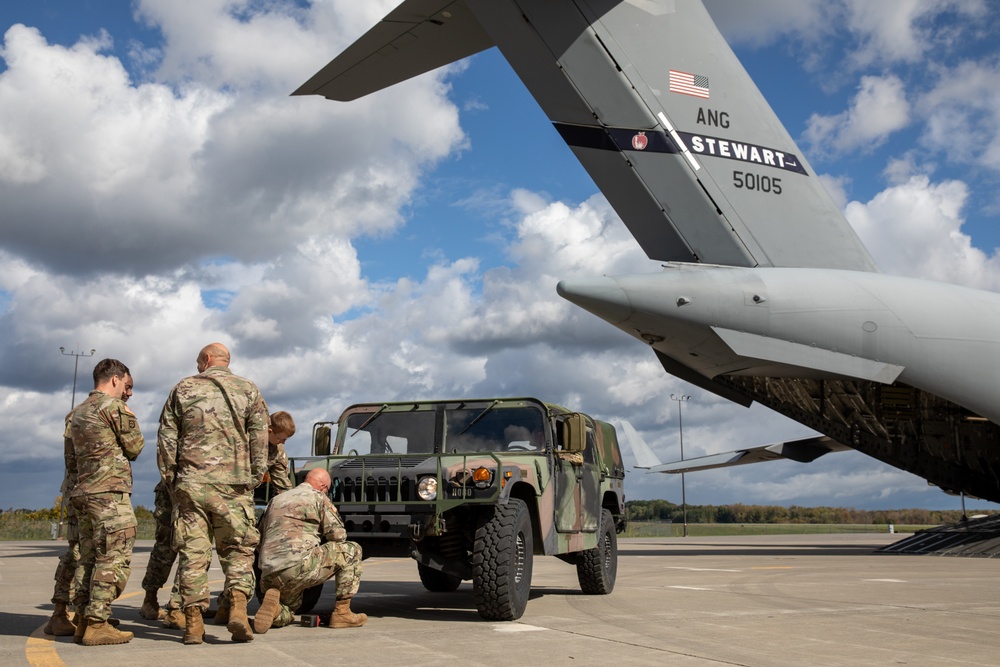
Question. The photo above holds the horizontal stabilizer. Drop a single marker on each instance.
(416, 37)
(805, 450)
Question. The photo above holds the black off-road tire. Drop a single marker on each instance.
(501, 562)
(597, 568)
(437, 581)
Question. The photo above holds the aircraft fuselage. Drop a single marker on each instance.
(811, 323)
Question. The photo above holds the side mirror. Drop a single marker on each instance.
(574, 433)
(321, 439)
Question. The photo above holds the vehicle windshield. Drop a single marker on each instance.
(498, 429)
(484, 427)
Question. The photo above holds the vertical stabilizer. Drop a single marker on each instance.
(654, 104)
(658, 109)
(644, 456)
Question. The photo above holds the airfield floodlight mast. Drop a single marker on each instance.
(76, 364)
(681, 398)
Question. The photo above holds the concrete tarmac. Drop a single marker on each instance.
(768, 601)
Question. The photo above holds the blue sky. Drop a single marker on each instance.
(160, 189)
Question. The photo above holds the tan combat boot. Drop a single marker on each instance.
(268, 611)
(343, 617)
(81, 625)
(194, 627)
(239, 624)
(150, 609)
(59, 624)
(174, 619)
(102, 633)
(221, 614)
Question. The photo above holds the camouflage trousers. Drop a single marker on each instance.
(223, 514)
(107, 534)
(69, 574)
(339, 560)
(161, 558)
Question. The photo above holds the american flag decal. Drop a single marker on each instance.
(695, 85)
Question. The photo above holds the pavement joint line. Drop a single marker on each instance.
(622, 642)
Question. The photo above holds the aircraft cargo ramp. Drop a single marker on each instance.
(975, 537)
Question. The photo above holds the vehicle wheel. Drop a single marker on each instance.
(437, 581)
(501, 562)
(310, 597)
(597, 568)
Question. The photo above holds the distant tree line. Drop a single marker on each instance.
(665, 511)
(57, 513)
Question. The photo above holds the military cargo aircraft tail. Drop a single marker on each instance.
(673, 131)
(768, 295)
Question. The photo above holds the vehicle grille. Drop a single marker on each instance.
(374, 489)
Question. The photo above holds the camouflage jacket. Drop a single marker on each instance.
(277, 468)
(210, 437)
(106, 438)
(69, 458)
(295, 522)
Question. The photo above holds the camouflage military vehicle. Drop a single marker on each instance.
(474, 489)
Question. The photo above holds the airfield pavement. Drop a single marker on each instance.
(776, 600)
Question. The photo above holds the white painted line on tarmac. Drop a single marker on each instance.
(518, 627)
(700, 569)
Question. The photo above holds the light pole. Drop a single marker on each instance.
(76, 364)
(681, 399)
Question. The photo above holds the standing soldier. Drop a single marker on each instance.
(59, 624)
(212, 453)
(106, 438)
(281, 428)
(69, 574)
(303, 544)
(163, 554)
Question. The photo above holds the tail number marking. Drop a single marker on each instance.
(747, 180)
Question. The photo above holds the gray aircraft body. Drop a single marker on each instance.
(766, 293)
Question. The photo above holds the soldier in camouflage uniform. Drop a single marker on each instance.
(106, 438)
(163, 554)
(212, 453)
(303, 543)
(69, 574)
(282, 427)
(60, 624)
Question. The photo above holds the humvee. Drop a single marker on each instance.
(474, 489)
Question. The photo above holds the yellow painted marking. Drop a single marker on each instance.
(41, 649)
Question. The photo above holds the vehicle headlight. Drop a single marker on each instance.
(482, 477)
(427, 488)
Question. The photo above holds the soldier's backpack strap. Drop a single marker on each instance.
(236, 421)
